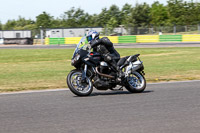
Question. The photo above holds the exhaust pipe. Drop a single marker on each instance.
(104, 75)
(136, 65)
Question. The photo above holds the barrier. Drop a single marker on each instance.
(57, 41)
(113, 39)
(170, 38)
(191, 38)
(72, 40)
(130, 39)
(47, 41)
(127, 39)
(146, 38)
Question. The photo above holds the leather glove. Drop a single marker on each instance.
(89, 47)
(107, 57)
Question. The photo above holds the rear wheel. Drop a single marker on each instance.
(136, 82)
(76, 86)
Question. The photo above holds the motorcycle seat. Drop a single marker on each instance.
(122, 60)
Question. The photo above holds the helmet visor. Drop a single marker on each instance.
(89, 38)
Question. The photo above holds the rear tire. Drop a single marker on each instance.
(136, 83)
(75, 85)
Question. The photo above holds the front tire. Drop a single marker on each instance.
(136, 82)
(76, 86)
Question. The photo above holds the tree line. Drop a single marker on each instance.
(175, 12)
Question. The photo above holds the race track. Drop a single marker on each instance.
(163, 108)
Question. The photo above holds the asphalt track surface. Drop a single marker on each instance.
(133, 45)
(172, 107)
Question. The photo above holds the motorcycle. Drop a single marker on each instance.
(91, 70)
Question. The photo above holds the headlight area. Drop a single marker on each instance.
(75, 59)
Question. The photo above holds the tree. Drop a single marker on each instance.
(159, 14)
(10, 25)
(1, 26)
(176, 11)
(23, 24)
(103, 18)
(44, 20)
(57, 23)
(140, 15)
(126, 14)
(197, 13)
(192, 13)
(109, 19)
(114, 13)
(74, 18)
(93, 21)
(85, 20)
(112, 23)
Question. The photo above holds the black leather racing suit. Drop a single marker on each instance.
(105, 47)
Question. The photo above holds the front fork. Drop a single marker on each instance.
(83, 80)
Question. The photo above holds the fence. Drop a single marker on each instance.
(130, 39)
(176, 29)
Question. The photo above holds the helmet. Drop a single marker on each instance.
(92, 35)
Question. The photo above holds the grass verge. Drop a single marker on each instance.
(33, 69)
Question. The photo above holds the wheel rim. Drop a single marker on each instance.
(136, 80)
(78, 85)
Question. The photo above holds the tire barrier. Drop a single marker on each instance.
(130, 39)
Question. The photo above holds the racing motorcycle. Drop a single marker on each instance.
(92, 71)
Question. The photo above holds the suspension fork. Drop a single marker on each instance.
(84, 74)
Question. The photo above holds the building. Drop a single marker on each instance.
(15, 37)
(69, 32)
(77, 32)
(15, 34)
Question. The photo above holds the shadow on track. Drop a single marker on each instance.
(108, 93)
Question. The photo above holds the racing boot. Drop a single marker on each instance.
(120, 75)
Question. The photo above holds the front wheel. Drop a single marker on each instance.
(136, 82)
(76, 86)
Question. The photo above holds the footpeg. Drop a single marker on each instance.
(119, 80)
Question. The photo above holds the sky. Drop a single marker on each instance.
(12, 9)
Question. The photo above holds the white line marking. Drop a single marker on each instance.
(35, 91)
(172, 82)
(66, 89)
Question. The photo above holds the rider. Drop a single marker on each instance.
(105, 47)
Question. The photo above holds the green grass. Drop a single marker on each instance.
(30, 69)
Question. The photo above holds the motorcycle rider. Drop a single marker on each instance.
(105, 47)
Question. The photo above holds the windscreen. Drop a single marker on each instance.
(83, 44)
